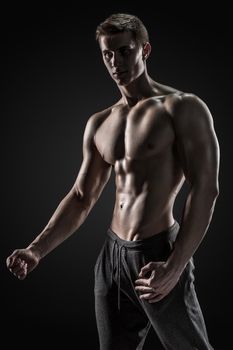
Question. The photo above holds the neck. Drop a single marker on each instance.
(140, 89)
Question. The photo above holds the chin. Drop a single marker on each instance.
(123, 82)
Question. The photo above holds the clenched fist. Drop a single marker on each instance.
(22, 261)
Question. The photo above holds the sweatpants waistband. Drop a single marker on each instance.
(166, 235)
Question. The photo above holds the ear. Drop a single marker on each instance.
(146, 50)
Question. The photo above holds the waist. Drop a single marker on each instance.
(166, 235)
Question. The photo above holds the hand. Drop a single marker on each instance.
(22, 261)
(159, 283)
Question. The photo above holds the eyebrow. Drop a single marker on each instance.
(120, 48)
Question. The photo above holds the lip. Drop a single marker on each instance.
(119, 74)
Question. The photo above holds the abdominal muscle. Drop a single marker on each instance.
(144, 212)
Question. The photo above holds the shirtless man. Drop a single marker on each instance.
(155, 137)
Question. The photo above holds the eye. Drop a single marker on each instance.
(125, 51)
(107, 55)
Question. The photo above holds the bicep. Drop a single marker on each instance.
(94, 171)
(197, 142)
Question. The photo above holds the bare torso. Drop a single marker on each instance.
(139, 142)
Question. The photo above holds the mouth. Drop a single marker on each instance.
(119, 74)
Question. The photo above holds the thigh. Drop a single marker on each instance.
(177, 318)
(123, 329)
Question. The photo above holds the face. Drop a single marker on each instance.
(122, 56)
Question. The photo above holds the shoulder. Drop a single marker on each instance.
(188, 102)
(188, 110)
(96, 119)
(163, 99)
(99, 116)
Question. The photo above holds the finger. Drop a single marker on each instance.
(16, 268)
(145, 269)
(10, 261)
(143, 282)
(22, 263)
(13, 261)
(143, 289)
(22, 276)
(147, 296)
(18, 273)
(16, 263)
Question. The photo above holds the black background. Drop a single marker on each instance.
(53, 80)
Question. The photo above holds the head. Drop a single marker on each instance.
(125, 46)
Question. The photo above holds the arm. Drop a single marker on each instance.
(72, 210)
(198, 151)
(75, 207)
(199, 154)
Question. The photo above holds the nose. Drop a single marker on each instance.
(116, 60)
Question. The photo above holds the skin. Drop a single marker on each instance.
(155, 137)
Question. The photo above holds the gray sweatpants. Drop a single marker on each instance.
(123, 319)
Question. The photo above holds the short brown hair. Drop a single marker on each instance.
(122, 22)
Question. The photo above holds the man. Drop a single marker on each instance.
(155, 137)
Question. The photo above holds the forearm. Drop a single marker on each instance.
(67, 218)
(197, 215)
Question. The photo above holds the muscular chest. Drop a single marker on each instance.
(134, 134)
